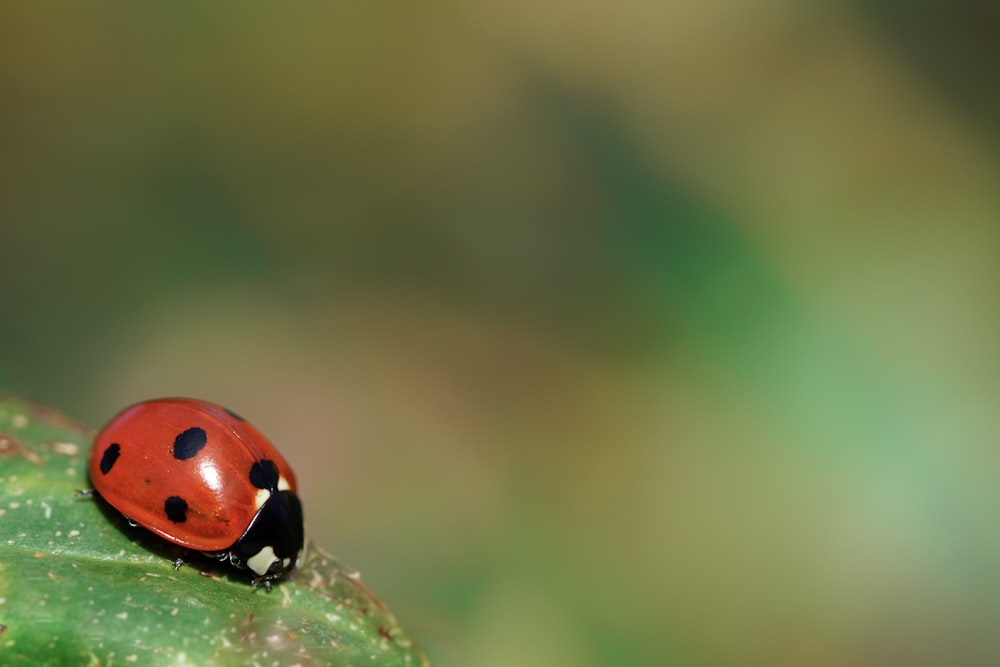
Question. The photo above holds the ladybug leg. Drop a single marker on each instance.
(86, 493)
(180, 560)
(256, 581)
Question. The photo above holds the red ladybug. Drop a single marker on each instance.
(204, 478)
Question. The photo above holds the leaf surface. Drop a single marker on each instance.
(79, 586)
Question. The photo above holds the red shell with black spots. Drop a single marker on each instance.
(190, 471)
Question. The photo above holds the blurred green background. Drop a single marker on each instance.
(625, 333)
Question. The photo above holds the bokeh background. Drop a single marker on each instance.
(623, 333)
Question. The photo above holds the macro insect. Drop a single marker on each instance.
(202, 477)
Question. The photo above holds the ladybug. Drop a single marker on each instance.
(204, 478)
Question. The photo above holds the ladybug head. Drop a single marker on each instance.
(271, 544)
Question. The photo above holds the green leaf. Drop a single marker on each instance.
(79, 586)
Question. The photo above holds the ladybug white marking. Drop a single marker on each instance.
(261, 561)
(263, 495)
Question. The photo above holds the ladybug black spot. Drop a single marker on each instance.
(176, 509)
(189, 443)
(109, 457)
(264, 475)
